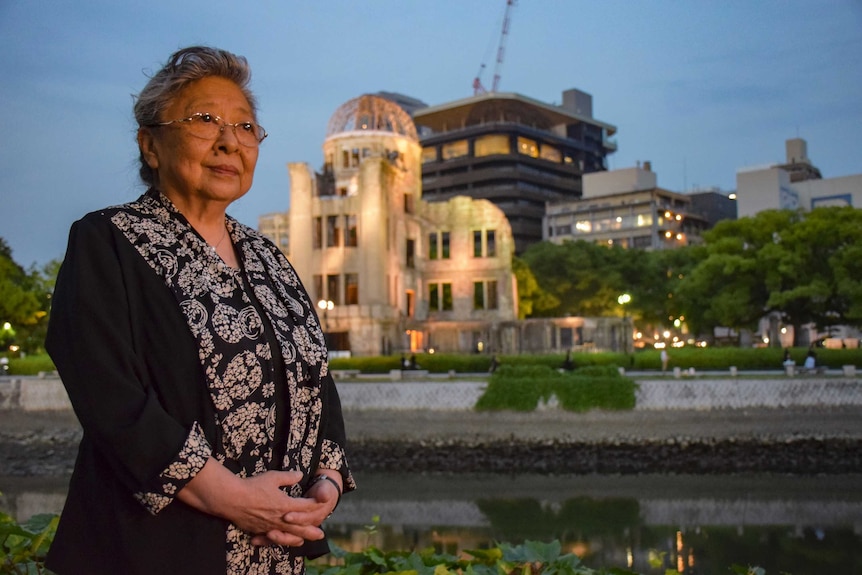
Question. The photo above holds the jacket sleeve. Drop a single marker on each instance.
(333, 454)
(92, 342)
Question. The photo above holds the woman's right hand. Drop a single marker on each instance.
(257, 505)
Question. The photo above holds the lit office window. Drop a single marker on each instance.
(550, 153)
(454, 150)
(528, 147)
(491, 145)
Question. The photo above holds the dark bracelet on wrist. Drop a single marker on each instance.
(325, 477)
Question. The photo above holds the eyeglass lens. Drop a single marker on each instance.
(207, 126)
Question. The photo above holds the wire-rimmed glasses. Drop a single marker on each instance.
(209, 126)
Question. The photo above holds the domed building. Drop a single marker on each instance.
(394, 273)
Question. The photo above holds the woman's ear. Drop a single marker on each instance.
(147, 145)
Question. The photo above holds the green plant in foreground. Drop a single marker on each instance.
(530, 558)
(23, 547)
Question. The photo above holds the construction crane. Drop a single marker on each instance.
(478, 88)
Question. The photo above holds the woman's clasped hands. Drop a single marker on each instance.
(258, 505)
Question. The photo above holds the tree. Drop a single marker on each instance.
(25, 300)
(531, 297)
(584, 277)
(815, 269)
(729, 286)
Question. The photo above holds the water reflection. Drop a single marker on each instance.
(690, 524)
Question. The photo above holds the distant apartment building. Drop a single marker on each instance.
(795, 184)
(514, 151)
(626, 208)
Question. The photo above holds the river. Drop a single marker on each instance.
(698, 525)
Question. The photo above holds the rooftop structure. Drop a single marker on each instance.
(795, 184)
(515, 151)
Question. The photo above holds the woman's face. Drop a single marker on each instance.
(193, 171)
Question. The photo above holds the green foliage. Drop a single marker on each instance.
(529, 558)
(523, 387)
(517, 387)
(31, 364)
(376, 364)
(591, 290)
(578, 392)
(23, 547)
(760, 358)
(24, 301)
(531, 297)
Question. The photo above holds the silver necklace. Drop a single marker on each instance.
(223, 236)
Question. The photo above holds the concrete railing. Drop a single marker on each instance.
(46, 392)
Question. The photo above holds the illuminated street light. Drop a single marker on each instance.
(624, 299)
(326, 305)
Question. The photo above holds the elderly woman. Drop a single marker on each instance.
(213, 436)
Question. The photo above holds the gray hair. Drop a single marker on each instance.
(182, 68)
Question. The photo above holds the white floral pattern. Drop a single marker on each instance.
(237, 361)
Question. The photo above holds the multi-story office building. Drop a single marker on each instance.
(517, 152)
(627, 208)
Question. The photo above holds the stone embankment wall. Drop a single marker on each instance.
(45, 392)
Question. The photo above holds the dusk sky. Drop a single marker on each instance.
(701, 88)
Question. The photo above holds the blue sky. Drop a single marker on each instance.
(701, 88)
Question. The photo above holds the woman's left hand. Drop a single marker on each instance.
(324, 493)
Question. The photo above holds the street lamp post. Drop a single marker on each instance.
(326, 305)
(623, 300)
